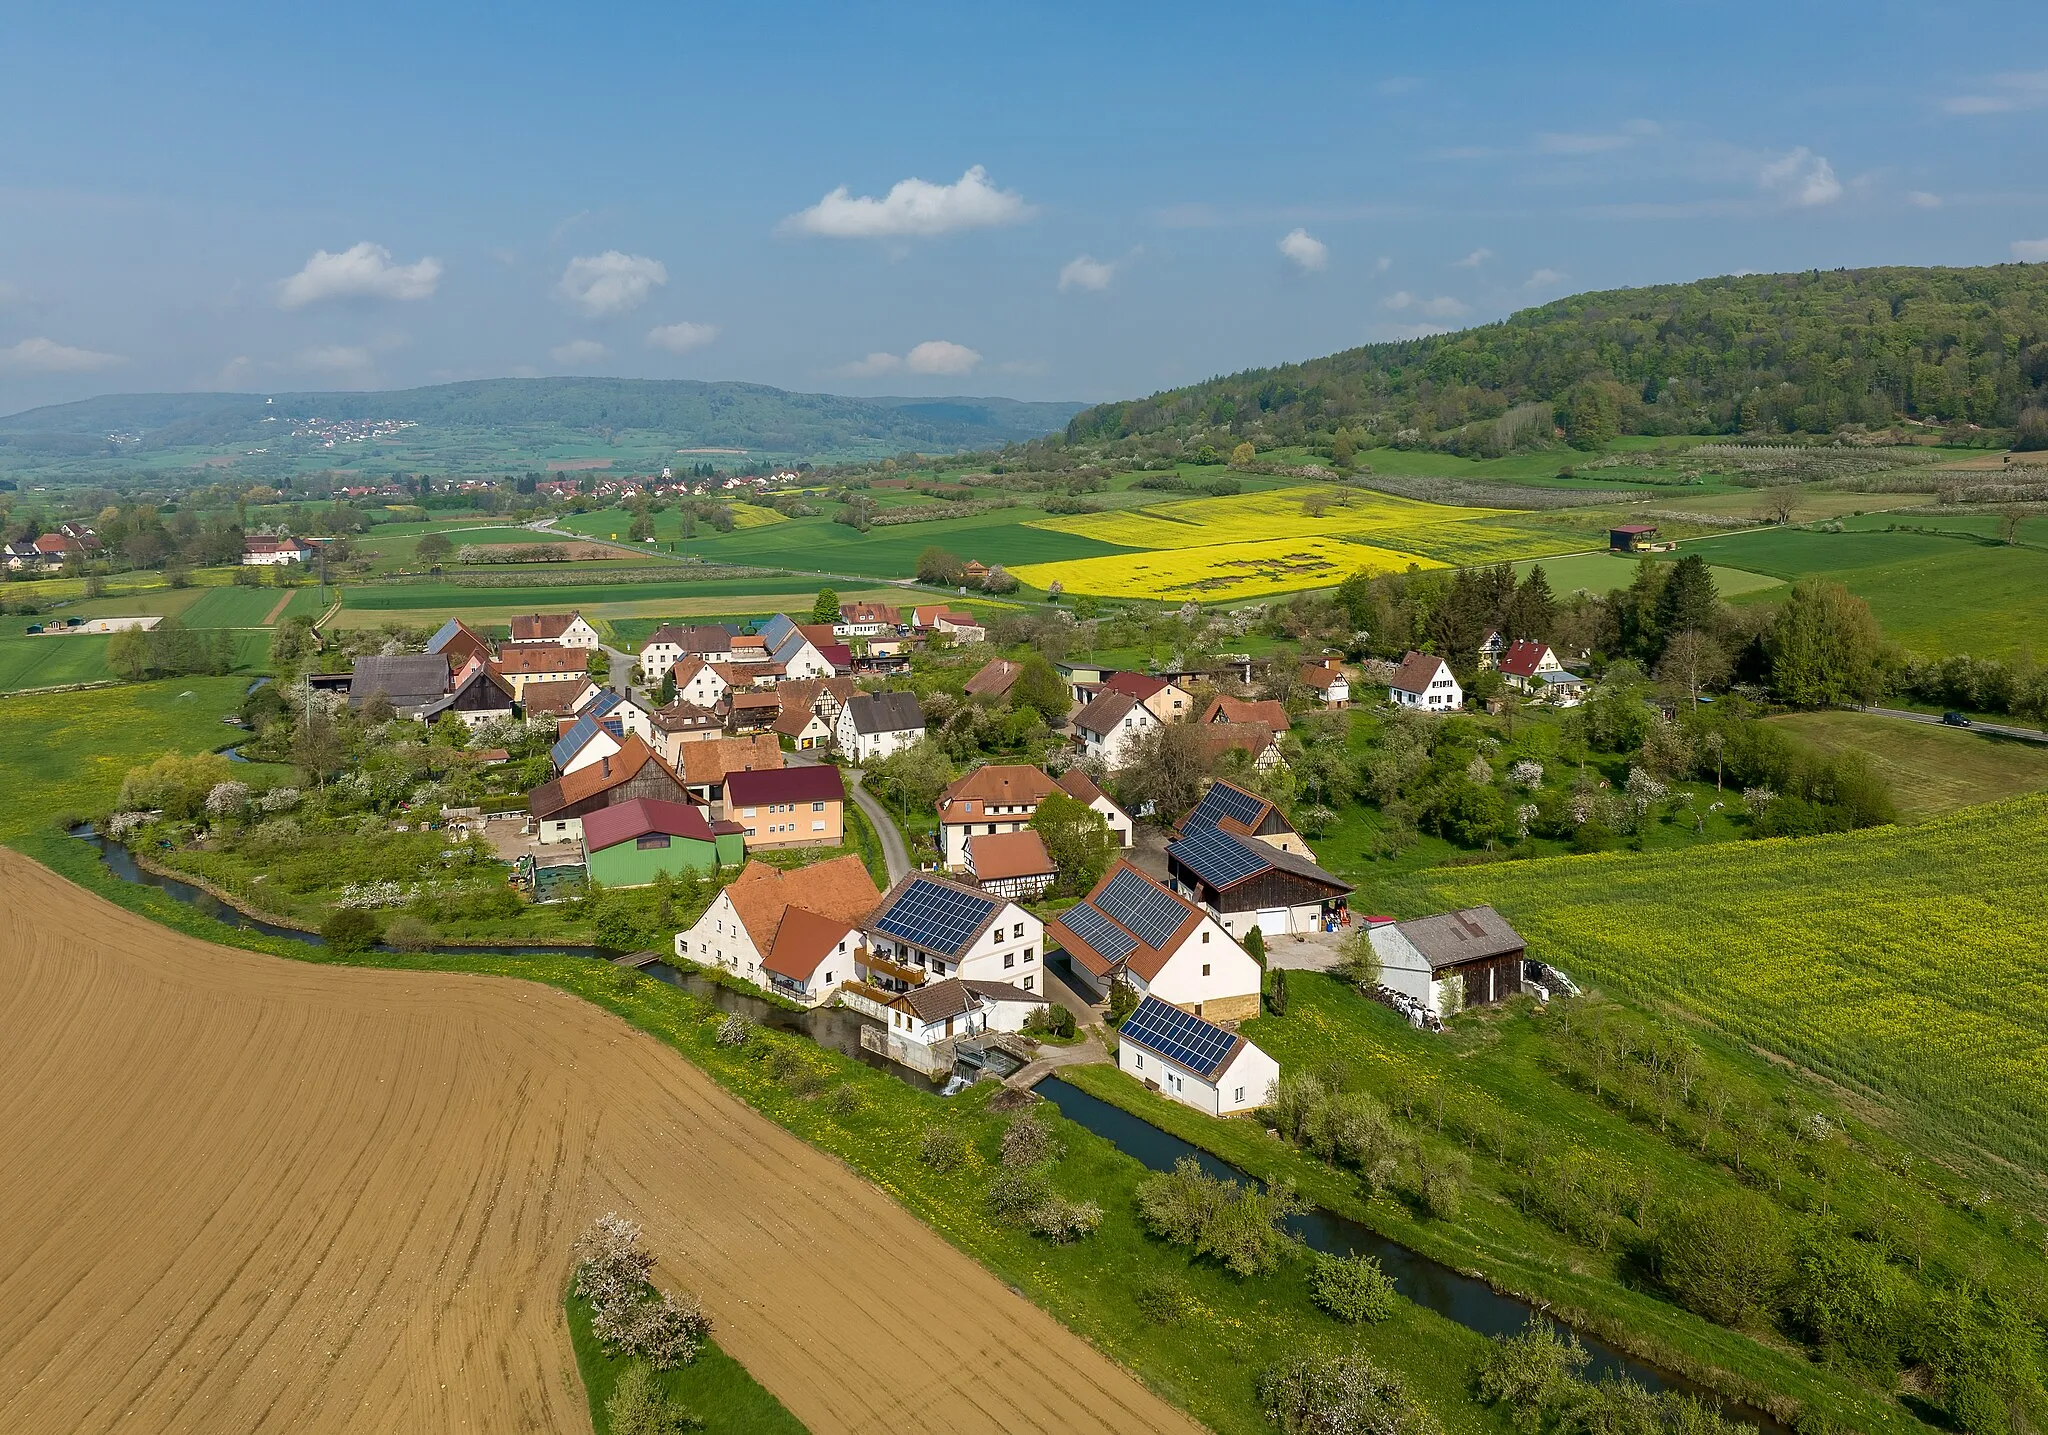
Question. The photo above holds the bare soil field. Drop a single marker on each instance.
(249, 1194)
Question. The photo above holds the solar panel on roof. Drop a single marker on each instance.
(1183, 1039)
(935, 917)
(1109, 940)
(1222, 800)
(1142, 907)
(1217, 857)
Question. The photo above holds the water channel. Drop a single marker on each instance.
(1429, 1283)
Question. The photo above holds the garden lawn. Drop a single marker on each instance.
(1931, 770)
(1909, 963)
(714, 1387)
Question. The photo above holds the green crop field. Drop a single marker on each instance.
(1931, 770)
(246, 607)
(891, 552)
(1604, 572)
(41, 662)
(1901, 961)
(1933, 594)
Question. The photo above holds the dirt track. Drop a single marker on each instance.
(244, 1194)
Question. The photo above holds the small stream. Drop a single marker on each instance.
(1470, 1302)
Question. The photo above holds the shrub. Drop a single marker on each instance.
(667, 1331)
(1276, 998)
(349, 931)
(943, 1148)
(1017, 1190)
(1177, 1206)
(1338, 1395)
(1724, 1258)
(639, 1406)
(1062, 1221)
(845, 1099)
(1237, 1226)
(1439, 1182)
(1164, 1299)
(734, 1031)
(611, 1269)
(409, 934)
(1535, 1373)
(1351, 1288)
(1028, 1139)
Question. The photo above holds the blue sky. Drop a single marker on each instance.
(1046, 201)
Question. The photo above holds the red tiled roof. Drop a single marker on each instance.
(528, 659)
(1008, 854)
(557, 695)
(707, 763)
(1107, 710)
(625, 821)
(994, 680)
(1269, 712)
(540, 627)
(1138, 685)
(1521, 659)
(1416, 672)
(1012, 784)
(788, 784)
(803, 939)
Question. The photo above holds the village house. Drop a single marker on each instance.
(552, 697)
(636, 842)
(743, 930)
(996, 798)
(788, 807)
(1268, 713)
(802, 727)
(671, 644)
(751, 711)
(1450, 961)
(1010, 864)
(1424, 681)
(1560, 689)
(682, 722)
(874, 725)
(1130, 928)
(270, 552)
(1234, 855)
(929, 927)
(924, 1017)
(1078, 785)
(824, 696)
(556, 809)
(523, 663)
(865, 620)
(410, 682)
(1491, 647)
(791, 650)
(458, 643)
(1194, 1061)
(581, 743)
(1525, 663)
(1255, 740)
(564, 630)
(706, 765)
(1327, 682)
(1166, 700)
(476, 695)
(699, 683)
(1111, 725)
(960, 627)
(995, 680)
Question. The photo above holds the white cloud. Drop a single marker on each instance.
(1921, 199)
(2003, 94)
(336, 358)
(681, 338)
(1309, 254)
(936, 356)
(362, 271)
(47, 356)
(913, 208)
(1086, 273)
(578, 351)
(2030, 251)
(610, 283)
(1801, 178)
(1443, 306)
(1473, 260)
(933, 356)
(1382, 264)
(1544, 279)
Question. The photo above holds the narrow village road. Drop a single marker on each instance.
(894, 853)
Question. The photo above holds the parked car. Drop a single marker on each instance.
(1955, 719)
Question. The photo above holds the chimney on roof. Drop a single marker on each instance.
(607, 765)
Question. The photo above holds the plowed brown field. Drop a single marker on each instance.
(239, 1193)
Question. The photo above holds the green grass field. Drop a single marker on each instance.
(1601, 573)
(246, 607)
(1932, 770)
(714, 1387)
(1934, 595)
(1900, 961)
(41, 662)
(819, 544)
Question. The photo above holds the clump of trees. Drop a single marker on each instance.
(1239, 1227)
(1537, 1377)
(170, 650)
(1340, 1393)
(628, 1315)
(1022, 1192)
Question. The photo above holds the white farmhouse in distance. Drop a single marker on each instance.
(1424, 681)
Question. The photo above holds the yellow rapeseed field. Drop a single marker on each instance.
(1223, 570)
(1248, 545)
(749, 515)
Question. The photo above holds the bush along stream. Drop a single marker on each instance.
(1468, 1301)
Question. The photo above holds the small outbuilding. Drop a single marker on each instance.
(1194, 1061)
(632, 844)
(1631, 537)
(1450, 961)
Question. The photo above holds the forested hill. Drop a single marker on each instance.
(1805, 352)
(481, 417)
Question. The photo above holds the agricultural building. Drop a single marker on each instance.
(564, 630)
(459, 642)
(476, 695)
(1243, 812)
(1194, 1061)
(632, 844)
(557, 808)
(1450, 961)
(410, 682)
(1130, 927)
(1245, 882)
(995, 679)
(788, 806)
(1631, 537)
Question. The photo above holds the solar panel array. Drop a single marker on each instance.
(1142, 907)
(1109, 941)
(1216, 857)
(936, 917)
(1182, 1039)
(1222, 800)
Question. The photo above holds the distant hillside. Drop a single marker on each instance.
(1777, 352)
(503, 423)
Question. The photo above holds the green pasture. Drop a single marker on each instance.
(1603, 572)
(819, 544)
(45, 662)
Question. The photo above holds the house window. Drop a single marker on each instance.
(817, 807)
(817, 827)
(1027, 955)
(1141, 1059)
(1020, 930)
(1027, 983)
(650, 840)
(1205, 936)
(1008, 961)
(1240, 1095)
(1205, 969)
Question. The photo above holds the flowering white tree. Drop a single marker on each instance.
(1526, 774)
(1479, 771)
(227, 798)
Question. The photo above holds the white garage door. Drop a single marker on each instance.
(1273, 922)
